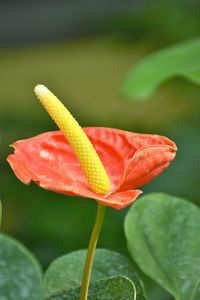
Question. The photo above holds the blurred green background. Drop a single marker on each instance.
(82, 51)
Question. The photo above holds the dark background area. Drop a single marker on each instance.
(82, 50)
(46, 20)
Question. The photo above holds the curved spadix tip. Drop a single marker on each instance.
(40, 89)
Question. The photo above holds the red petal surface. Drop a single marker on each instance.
(145, 155)
(130, 160)
(119, 200)
(49, 160)
(146, 164)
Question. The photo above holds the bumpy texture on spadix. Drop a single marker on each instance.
(130, 159)
(85, 152)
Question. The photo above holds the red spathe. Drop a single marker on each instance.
(130, 159)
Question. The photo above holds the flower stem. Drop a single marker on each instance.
(91, 250)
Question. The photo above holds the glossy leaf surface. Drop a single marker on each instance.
(115, 288)
(20, 273)
(163, 238)
(65, 273)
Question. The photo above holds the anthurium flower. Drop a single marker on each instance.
(130, 160)
(100, 163)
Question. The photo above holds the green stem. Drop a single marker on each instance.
(91, 250)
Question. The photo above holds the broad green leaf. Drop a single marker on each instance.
(65, 273)
(179, 60)
(114, 288)
(20, 274)
(162, 232)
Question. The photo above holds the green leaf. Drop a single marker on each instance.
(162, 232)
(179, 60)
(116, 288)
(65, 273)
(20, 274)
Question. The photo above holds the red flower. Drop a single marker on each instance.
(130, 159)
